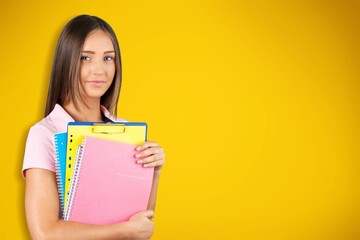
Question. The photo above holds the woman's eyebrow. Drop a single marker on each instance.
(92, 52)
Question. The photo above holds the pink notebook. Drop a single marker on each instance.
(108, 185)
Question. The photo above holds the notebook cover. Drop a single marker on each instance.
(127, 132)
(60, 140)
(108, 185)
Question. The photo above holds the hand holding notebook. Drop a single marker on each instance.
(108, 186)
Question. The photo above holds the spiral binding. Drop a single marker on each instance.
(75, 179)
(58, 176)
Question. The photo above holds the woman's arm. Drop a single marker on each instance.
(150, 154)
(153, 193)
(42, 212)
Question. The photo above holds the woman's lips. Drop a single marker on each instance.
(96, 82)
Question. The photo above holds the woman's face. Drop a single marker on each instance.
(97, 67)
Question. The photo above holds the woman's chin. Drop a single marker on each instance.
(94, 94)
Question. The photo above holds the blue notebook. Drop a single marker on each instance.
(60, 164)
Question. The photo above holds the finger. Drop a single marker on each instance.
(149, 214)
(149, 152)
(154, 164)
(151, 158)
(147, 144)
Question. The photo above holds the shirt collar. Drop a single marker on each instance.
(107, 113)
(61, 118)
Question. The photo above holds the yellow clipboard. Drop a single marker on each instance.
(126, 132)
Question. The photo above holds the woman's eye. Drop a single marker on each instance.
(85, 58)
(108, 58)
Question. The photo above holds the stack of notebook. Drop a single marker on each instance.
(99, 181)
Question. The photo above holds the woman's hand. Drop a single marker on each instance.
(150, 154)
(142, 226)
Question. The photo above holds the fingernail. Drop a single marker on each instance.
(140, 161)
(137, 155)
(138, 148)
(146, 165)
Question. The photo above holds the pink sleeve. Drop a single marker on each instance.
(39, 150)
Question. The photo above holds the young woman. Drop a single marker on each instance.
(85, 85)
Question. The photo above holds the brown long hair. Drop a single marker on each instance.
(65, 74)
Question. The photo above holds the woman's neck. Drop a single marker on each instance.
(90, 113)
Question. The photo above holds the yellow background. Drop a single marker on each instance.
(256, 104)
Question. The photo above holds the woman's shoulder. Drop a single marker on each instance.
(39, 150)
(56, 121)
(44, 127)
(41, 134)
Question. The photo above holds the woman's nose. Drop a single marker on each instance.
(98, 67)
